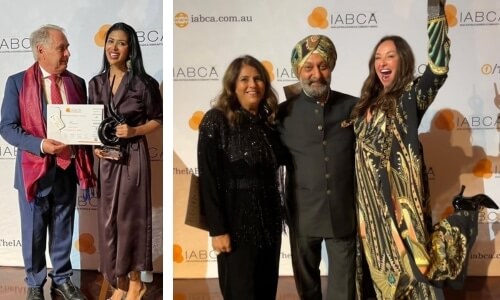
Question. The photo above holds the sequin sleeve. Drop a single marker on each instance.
(209, 166)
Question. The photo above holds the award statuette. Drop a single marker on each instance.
(107, 132)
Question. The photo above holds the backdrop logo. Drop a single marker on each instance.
(100, 35)
(279, 73)
(488, 216)
(450, 12)
(181, 19)
(14, 44)
(477, 122)
(150, 37)
(155, 153)
(269, 68)
(185, 171)
(192, 255)
(483, 168)
(196, 73)
(485, 17)
(8, 152)
(481, 122)
(177, 252)
(195, 120)
(145, 37)
(10, 243)
(444, 120)
(90, 204)
(488, 69)
(319, 18)
(85, 243)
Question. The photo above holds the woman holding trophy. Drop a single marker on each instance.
(133, 108)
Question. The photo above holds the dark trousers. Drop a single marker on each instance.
(249, 272)
(306, 258)
(52, 214)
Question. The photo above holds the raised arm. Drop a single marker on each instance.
(436, 71)
(437, 30)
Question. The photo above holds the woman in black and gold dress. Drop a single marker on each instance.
(238, 159)
(407, 258)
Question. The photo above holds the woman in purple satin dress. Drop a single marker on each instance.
(124, 213)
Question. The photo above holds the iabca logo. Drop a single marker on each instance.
(181, 255)
(444, 120)
(181, 19)
(85, 243)
(147, 37)
(177, 253)
(195, 120)
(472, 17)
(320, 18)
(450, 12)
(100, 35)
(269, 68)
(14, 44)
(483, 168)
(195, 73)
(7, 151)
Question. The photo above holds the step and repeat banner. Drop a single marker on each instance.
(85, 23)
(460, 132)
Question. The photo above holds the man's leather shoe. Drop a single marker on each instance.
(68, 291)
(35, 293)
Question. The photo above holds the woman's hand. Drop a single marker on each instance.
(221, 243)
(124, 131)
(99, 152)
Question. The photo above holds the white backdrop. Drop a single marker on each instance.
(459, 132)
(82, 20)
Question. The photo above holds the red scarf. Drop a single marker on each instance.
(32, 121)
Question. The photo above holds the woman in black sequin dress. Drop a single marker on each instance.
(238, 159)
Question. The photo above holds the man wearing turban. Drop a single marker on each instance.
(320, 174)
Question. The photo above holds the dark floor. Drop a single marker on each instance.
(12, 285)
(476, 288)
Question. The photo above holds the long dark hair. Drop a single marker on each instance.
(136, 65)
(373, 95)
(134, 50)
(228, 102)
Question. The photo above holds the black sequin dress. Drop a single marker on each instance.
(238, 178)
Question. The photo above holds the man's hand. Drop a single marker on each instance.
(53, 147)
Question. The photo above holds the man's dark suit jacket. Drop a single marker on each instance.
(320, 188)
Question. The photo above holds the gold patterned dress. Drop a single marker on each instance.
(406, 258)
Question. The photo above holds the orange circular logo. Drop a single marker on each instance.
(181, 20)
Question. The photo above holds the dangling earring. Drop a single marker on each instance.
(129, 64)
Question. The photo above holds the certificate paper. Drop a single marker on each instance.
(74, 124)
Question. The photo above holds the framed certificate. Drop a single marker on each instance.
(74, 124)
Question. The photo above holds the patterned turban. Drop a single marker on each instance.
(313, 44)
